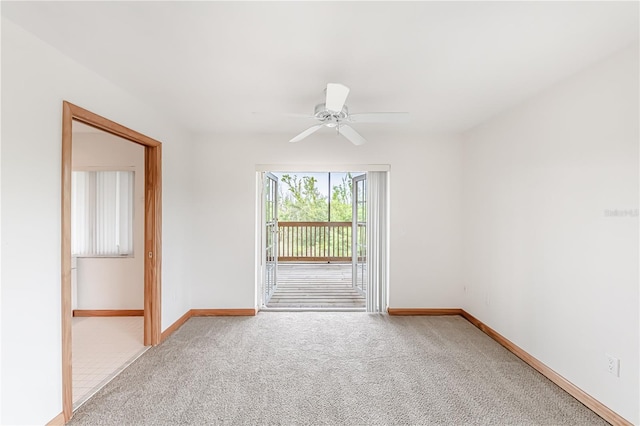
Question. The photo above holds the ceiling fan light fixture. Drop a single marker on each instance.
(323, 114)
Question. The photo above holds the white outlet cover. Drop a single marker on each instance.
(613, 365)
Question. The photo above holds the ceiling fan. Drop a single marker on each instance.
(333, 113)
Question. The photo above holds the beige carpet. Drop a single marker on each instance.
(317, 368)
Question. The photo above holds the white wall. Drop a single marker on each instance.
(543, 264)
(112, 282)
(35, 80)
(425, 211)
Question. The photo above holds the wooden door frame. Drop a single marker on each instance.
(152, 234)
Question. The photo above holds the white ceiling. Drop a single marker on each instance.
(224, 67)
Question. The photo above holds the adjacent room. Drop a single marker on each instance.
(107, 270)
(493, 253)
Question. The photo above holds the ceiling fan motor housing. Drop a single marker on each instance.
(330, 118)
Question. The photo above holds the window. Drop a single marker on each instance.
(315, 197)
(102, 213)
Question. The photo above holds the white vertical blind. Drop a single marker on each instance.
(102, 213)
(125, 224)
(377, 241)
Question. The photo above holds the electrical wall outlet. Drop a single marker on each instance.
(613, 365)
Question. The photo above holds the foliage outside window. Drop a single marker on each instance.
(102, 213)
(303, 198)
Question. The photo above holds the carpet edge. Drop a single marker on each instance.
(204, 313)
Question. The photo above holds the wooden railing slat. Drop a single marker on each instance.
(314, 241)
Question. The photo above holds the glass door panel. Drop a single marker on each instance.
(270, 236)
(359, 233)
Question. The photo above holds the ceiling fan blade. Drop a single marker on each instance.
(380, 117)
(296, 115)
(351, 134)
(280, 115)
(306, 133)
(336, 96)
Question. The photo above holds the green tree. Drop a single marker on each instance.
(302, 201)
(341, 209)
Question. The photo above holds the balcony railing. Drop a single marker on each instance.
(314, 241)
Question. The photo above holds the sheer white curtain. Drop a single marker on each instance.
(102, 213)
(377, 241)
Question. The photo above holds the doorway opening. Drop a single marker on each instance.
(315, 239)
(150, 250)
(107, 270)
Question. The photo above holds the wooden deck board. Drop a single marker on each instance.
(322, 285)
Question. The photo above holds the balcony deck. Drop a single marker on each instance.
(319, 285)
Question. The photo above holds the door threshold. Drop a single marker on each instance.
(267, 309)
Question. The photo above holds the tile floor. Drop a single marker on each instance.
(102, 348)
